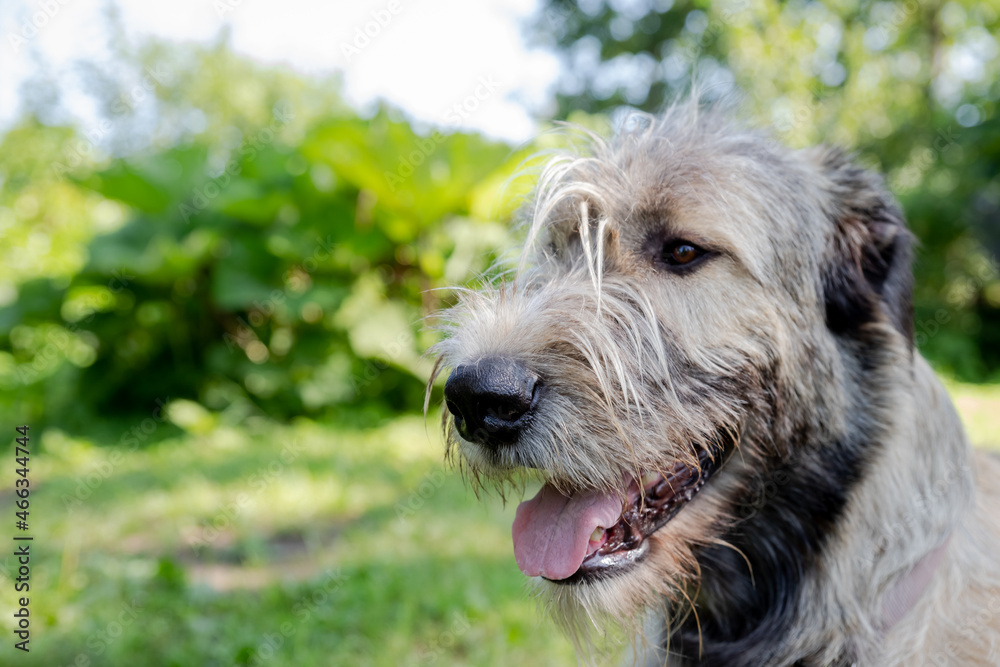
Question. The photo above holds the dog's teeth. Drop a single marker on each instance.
(597, 534)
(649, 479)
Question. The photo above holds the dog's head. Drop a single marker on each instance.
(689, 326)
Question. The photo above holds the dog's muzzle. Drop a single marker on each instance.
(492, 400)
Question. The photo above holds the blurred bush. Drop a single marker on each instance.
(275, 258)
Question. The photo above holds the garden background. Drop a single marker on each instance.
(213, 303)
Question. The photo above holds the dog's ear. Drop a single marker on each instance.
(866, 273)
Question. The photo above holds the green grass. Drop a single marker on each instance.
(248, 543)
(356, 548)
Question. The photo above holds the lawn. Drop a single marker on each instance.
(233, 541)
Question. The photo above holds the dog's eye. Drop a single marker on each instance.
(681, 253)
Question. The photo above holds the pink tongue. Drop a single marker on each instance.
(552, 531)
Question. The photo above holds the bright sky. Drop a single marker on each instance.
(423, 55)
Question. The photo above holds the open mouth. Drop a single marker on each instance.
(590, 535)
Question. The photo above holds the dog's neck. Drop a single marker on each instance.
(793, 558)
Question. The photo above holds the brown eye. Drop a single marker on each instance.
(679, 253)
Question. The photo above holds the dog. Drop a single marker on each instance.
(705, 354)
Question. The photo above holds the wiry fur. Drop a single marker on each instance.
(791, 345)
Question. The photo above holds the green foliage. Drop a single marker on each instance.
(913, 87)
(290, 265)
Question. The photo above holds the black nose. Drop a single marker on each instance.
(492, 400)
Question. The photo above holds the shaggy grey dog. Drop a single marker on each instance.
(706, 354)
